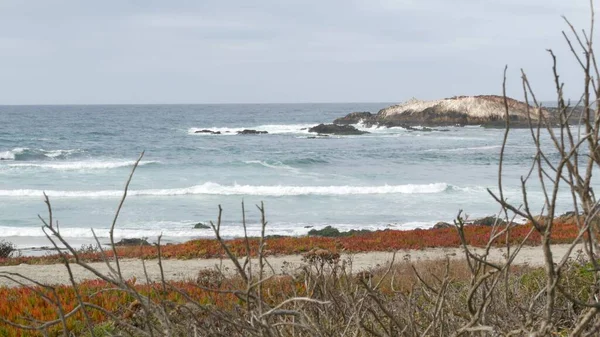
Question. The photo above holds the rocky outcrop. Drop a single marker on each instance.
(334, 129)
(251, 132)
(354, 118)
(200, 225)
(486, 110)
(210, 132)
(488, 221)
(133, 242)
(442, 224)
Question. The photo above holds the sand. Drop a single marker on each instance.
(175, 269)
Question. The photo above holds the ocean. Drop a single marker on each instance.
(81, 156)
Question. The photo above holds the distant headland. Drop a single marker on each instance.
(484, 110)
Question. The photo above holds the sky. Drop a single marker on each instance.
(281, 51)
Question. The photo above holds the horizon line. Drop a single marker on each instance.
(213, 103)
(222, 103)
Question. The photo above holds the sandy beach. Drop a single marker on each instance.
(175, 269)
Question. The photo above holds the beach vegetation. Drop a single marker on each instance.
(7, 249)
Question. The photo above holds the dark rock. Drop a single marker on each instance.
(412, 128)
(334, 129)
(133, 242)
(200, 225)
(355, 117)
(331, 232)
(568, 214)
(442, 224)
(209, 131)
(488, 221)
(568, 217)
(326, 232)
(251, 132)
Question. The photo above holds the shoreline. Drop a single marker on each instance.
(182, 270)
(35, 246)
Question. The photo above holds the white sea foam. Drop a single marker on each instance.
(270, 128)
(80, 165)
(362, 126)
(7, 155)
(81, 232)
(58, 153)
(484, 148)
(467, 149)
(277, 165)
(210, 188)
(469, 189)
(25, 153)
(376, 129)
(181, 231)
(298, 129)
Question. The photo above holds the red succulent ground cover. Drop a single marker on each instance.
(26, 305)
(22, 304)
(386, 240)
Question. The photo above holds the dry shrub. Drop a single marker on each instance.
(210, 278)
(6, 249)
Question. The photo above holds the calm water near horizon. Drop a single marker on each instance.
(81, 157)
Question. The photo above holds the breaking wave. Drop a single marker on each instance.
(210, 188)
(81, 165)
(270, 128)
(25, 154)
(34, 236)
(271, 164)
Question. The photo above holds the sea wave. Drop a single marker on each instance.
(483, 148)
(80, 165)
(361, 125)
(298, 129)
(271, 164)
(474, 148)
(270, 128)
(25, 154)
(211, 188)
(305, 161)
(183, 230)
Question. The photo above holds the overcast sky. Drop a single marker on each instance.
(263, 51)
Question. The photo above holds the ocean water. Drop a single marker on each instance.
(81, 157)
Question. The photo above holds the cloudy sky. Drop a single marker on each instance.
(263, 51)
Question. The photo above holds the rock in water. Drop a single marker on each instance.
(200, 225)
(133, 242)
(442, 224)
(209, 132)
(251, 132)
(334, 129)
(488, 221)
(486, 110)
(355, 118)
